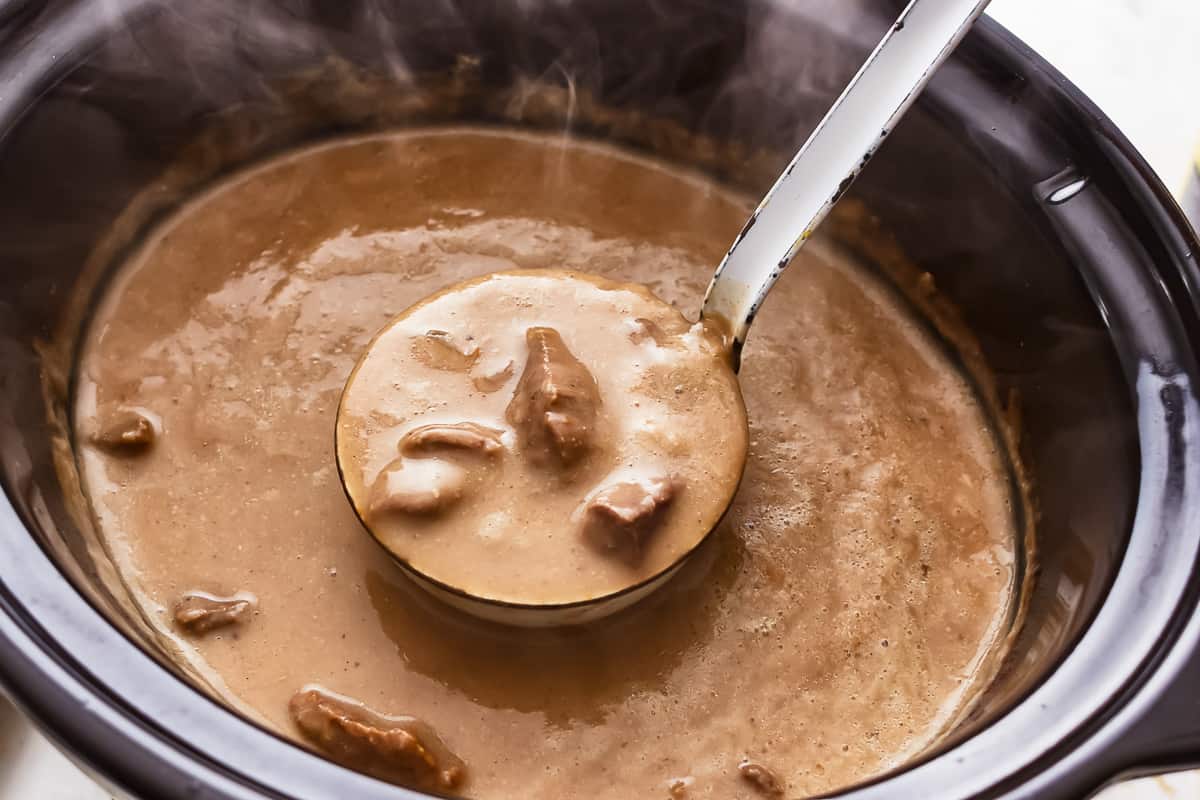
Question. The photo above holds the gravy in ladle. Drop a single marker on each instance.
(542, 437)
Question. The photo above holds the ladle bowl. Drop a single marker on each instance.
(425, 498)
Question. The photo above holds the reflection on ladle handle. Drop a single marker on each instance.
(926, 32)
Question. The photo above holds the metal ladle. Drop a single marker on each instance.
(888, 83)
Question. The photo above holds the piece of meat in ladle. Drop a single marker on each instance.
(417, 486)
(619, 518)
(461, 437)
(555, 404)
(442, 350)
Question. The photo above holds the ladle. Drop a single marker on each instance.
(925, 33)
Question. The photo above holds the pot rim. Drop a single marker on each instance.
(137, 726)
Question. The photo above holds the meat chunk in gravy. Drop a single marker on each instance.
(399, 749)
(199, 612)
(417, 486)
(440, 350)
(678, 788)
(764, 781)
(463, 437)
(621, 516)
(491, 380)
(644, 329)
(554, 407)
(127, 432)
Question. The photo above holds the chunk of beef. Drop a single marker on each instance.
(554, 407)
(644, 329)
(619, 518)
(399, 749)
(127, 432)
(761, 778)
(489, 382)
(466, 437)
(198, 612)
(417, 486)
(442, 350)
(678, 788)
(663, 331)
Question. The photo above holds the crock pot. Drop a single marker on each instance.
(1061, 249)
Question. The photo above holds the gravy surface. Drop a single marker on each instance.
(838, 619)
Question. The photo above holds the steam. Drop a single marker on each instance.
(724, 58)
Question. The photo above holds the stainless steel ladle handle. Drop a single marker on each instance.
(926, 32)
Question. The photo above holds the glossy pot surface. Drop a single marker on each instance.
(1067, 258)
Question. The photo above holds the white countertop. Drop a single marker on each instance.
(1138, 59)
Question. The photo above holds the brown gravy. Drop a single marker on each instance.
(842, 615)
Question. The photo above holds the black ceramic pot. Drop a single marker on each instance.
(1067, 257)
